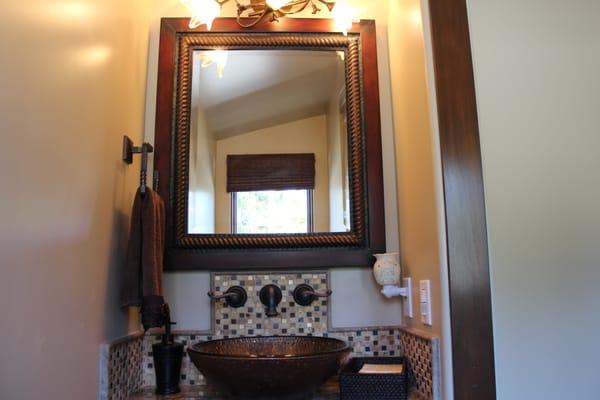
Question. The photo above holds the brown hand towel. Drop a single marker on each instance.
(145, 251)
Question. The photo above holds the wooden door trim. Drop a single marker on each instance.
(467, 251)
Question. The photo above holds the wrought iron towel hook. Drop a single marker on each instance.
(129, 150)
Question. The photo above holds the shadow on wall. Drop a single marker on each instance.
(118, 320)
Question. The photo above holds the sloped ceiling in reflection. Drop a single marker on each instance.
(266, 88)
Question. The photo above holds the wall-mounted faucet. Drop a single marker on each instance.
(270, 296)
(235, 296)
(304, 294)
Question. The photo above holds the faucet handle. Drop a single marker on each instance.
(304, 294)
(235, 296)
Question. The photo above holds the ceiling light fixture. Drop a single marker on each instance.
(344, 16)
(203, 12)
(250, 14)
(277, 4)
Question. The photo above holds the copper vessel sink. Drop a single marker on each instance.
(270, 367)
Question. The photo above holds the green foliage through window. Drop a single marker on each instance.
(274, 211)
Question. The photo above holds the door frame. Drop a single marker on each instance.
(464, 197)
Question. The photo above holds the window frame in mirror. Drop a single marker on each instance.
(185, 251)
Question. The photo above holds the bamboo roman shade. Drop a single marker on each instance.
(256, 172)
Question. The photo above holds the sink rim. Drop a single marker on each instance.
(343, 347)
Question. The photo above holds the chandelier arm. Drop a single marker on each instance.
(255, 20)
(302, 3)
(253, 15)
(329, 4)
(294, 7)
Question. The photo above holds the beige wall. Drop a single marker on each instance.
(417, 202)
(420, 192)
(538, 94)
(337, 150)
(73, 82)
(202, 207)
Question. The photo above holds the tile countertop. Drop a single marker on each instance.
(329, 391)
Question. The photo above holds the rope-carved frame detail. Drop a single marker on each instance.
(186, 44)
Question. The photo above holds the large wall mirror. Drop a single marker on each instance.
(268, 150)
(268, 142)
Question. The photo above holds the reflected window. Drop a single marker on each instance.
(272, 211)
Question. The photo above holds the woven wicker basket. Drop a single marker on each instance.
(355, 386)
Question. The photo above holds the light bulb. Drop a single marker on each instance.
(218, 57)
(343, 15)
(277, 4)
(203, 12)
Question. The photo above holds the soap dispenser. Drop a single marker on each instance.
(167, 355)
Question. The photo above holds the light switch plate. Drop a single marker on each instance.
(425, 298)
(408, 303)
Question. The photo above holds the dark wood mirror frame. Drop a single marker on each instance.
(186, 251)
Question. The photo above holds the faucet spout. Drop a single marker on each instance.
(270, 296)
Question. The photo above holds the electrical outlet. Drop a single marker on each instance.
(425, 298)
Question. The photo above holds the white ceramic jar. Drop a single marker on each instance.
(387, 269)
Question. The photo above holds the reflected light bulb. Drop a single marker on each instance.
(203, 12)
(218, 57)
(277, 4)
(343, 15)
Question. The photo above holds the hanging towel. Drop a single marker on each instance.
(144, 263)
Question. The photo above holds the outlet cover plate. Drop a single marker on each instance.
(408, 303)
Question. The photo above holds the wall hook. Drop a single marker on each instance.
(129, 150)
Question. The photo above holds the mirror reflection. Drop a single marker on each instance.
(268, 142)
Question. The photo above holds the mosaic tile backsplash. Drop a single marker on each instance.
(364, 343)
(122, 368)
(250, 320)
(423, 359)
